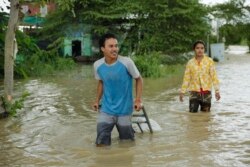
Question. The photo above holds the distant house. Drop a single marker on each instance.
(33, 13)
(78, 42)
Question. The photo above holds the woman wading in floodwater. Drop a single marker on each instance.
(200, 75)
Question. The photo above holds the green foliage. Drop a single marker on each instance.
(63, 64)
(144, 26)
(236, 14)
(44, 63)
(148, 65)
(231, 33)
(235, 33)
(175, 59)
(232, 11)
(245, 33)
(174, 28)
(31, 61)
(3, 23)
(26, 44)
(12, 107)
(158, 65)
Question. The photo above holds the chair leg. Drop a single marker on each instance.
(147, 119)
(139, 127)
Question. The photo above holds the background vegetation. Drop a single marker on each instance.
(155, 33)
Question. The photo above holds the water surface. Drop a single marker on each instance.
(58, 128)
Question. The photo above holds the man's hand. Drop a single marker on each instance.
(137, 105)
(181, 96)
(95, 106)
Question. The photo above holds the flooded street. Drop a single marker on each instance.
(58, 128)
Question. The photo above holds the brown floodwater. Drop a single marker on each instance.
(58, 128)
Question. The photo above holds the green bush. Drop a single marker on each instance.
(43, 63)
(157, 64)
(12, 107)
(31, 61)
(148, 65)
(64, 64)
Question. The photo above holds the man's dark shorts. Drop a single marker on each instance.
(106, 123)
(197, 99)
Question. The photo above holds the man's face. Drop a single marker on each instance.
(199, 49)
(110, 49)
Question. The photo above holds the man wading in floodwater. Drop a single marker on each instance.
(115, 74)
(200, 75)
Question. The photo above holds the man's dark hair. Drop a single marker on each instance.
(104, 38)
(199, 42)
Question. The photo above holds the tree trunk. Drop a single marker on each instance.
(9, 50)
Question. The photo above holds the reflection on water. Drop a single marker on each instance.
(57, 126)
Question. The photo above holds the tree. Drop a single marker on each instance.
(172, 26)
(232, 11)
(9, 50)
(232, 33)
(236, 14)
(168, 26)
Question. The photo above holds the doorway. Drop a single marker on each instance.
(76, 48)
